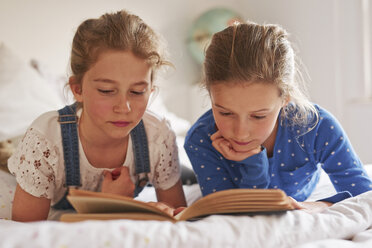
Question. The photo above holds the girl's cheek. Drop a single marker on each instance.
(102, 108)
(224, 128)
(266, 130)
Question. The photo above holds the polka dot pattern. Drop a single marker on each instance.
(298, 156)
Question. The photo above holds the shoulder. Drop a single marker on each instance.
(325, 115)
(46, 118)
(314, 119)
(202, 128)
(327, 122)
(154, 121)
(325, 129)
(47, 125)
(157, 128)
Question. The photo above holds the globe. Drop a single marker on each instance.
(205, 26)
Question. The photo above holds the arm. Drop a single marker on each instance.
(171, 201)
(173, 196)
(27, 207)
(166, 168)
(310, 207)
(33, 164)
(253, 164)
(207, 164)
(215, 173)
(339, 160)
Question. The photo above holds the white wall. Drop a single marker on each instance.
(328, 35)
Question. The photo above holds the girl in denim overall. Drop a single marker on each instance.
(106, 141)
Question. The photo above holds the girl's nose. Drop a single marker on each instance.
(122, 106)
(241, 130)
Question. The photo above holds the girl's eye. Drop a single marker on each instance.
(137, 92)
(105, 91)
(225, 113)
(259, 117)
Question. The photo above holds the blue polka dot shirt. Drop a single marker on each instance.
(298, 156)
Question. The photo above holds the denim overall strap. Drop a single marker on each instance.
(141, 156)
(70, 141)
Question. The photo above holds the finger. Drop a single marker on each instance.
(124, 173)
(168, 210)
(218, 143)
(216, 135)
(107, 177)
(228, 151)
(240, 155)
(226, 147)
(218, 147)
(125, 179)
(116, 173)
(295, 204)
(124, 170)
(163, 207)
(178, 210)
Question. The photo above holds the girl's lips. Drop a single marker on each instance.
(121, 123)
(242, 143)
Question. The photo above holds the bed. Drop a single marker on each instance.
(345, 224)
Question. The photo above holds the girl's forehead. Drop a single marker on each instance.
(115, 65)
(243, 87)
(255, 95)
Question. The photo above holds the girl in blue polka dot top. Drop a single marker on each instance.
(262, 131)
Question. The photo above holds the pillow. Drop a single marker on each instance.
(55, 80)
(6, 150)
(24, 94)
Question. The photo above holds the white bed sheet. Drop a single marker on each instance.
(345, 224)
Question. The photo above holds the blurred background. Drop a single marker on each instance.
(332, 38)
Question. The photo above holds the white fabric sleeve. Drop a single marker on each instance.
(167, 169)
(33, 164)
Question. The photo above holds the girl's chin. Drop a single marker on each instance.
(243, 149)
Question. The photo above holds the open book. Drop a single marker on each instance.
(103, 206)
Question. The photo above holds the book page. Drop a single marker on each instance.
(98, 202)
(238, 201)
(70, 217)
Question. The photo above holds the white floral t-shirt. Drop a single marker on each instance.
(38, 162)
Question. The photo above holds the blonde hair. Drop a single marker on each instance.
(249, 52)
(120, 31)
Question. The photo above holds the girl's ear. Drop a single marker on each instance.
(76, 89)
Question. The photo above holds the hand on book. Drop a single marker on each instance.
(178, 210)
(163, 207)
(118, 182)
(310, 207)
(231, 150)
(101, 206)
